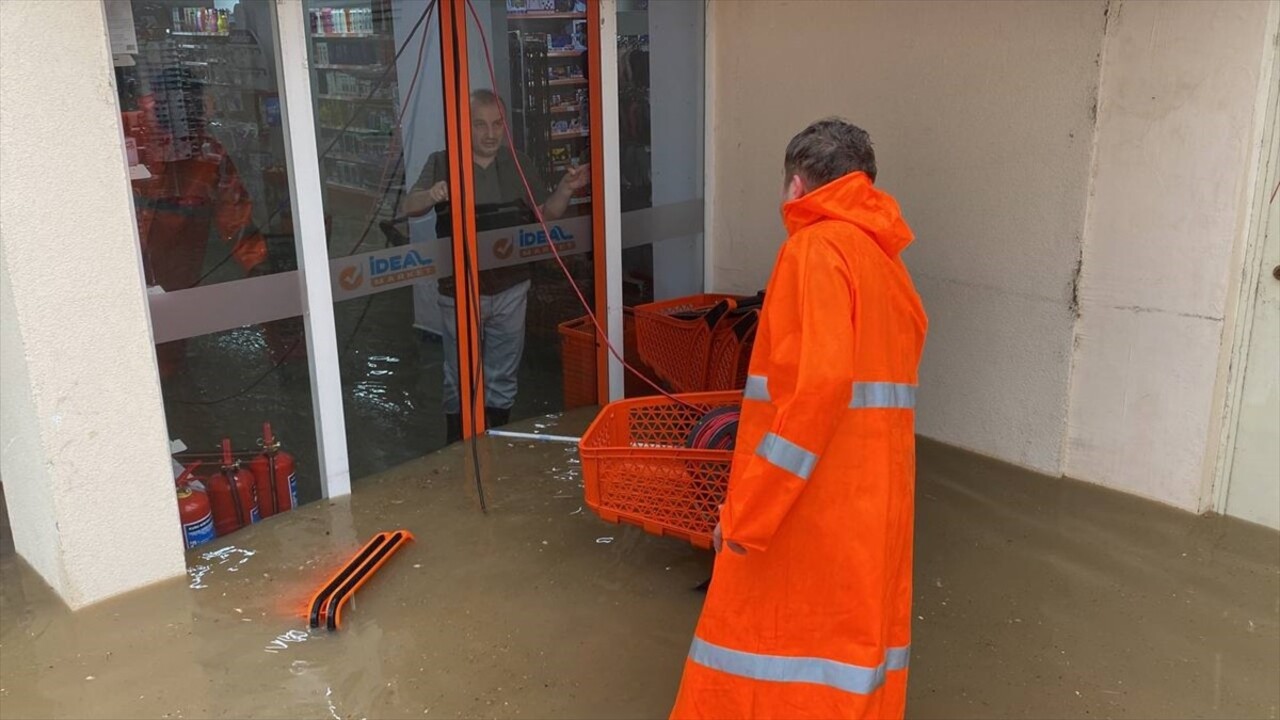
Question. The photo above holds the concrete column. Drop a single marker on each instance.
(1177, 135)
(83, 445)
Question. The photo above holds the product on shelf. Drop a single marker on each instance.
(202, 20)
(342, 21)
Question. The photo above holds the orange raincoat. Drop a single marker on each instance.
(177, 207)
(815, 620)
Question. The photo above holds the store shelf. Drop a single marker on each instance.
(354, 129)
(345, 36)
(185, 33)
(351, 68)
(571, 135)
(547, 16)
(567, 81)
(366, 192)
(566, 53)
(353, 159)
(234, 86)
(566, 108)
(353, 98)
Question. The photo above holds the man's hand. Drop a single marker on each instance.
(422, 201)
(717, 539)
(576, 178)
(438, 192)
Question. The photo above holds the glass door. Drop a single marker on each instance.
(660, 51)
(533, 138)
(377, 80)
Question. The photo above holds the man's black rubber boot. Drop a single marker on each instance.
(496, 417)
(452, 428)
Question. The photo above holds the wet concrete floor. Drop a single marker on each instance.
(1035, 597)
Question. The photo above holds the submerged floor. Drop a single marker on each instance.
(1034, 598)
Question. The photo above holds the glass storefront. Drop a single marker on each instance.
(376, 80)
(537, 62)
(202, 112)
(660, 50)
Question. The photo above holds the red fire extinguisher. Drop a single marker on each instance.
(274, 471)
(194, 510)
(232, 494)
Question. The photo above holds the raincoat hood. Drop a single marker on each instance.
(855, 200)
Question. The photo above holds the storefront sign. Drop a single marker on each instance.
(531, 243)
(378, 270)
(390, 268)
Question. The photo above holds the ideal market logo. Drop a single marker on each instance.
(399, 268)
(350, 278)
(533, 244)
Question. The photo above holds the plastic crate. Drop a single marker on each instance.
(730, 355)
(637, 470)
(578, 361)
(674, 338)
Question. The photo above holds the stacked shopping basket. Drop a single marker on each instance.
(638, 460)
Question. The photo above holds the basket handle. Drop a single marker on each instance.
(746, 324)
(721, 309)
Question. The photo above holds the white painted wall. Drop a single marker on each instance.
(1077, 176)
(982, 118)
(1177, 133)
(83, 448)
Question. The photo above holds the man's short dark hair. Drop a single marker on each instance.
(828, 150)
(486, 96)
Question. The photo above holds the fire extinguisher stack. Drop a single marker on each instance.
(243, 491)
(275, 475)
(233, 495)
(194, 511)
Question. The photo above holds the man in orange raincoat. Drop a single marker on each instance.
(809, 614)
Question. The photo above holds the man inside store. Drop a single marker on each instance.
(501, 201)
(809, 613)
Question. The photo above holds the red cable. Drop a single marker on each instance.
(555, 252)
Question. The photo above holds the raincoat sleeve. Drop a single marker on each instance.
(234, 218)
(812, 340)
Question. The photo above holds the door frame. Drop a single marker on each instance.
(1263, 174)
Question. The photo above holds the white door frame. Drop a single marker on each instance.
(1238, 329)
(302, 155)
(610, 134)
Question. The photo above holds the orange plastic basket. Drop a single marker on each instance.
(677, 348)
(636, 469)
(578, 361)
(730, 355)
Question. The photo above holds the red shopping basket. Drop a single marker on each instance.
(636, 468)
(578, 345)
(674, 337)
(730, 354)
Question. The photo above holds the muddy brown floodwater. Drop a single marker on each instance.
(1035, 597)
